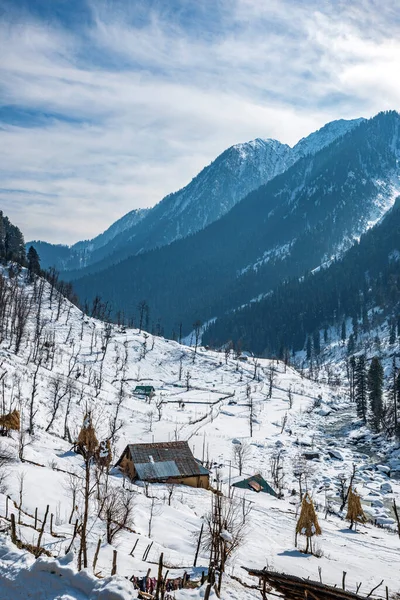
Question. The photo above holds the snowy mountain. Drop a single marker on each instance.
(58, 365)
(211, 194)
(301, 219)
(80, 254)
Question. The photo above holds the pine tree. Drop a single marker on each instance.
(355, 513)
(375, 391)
(308, 521)
(33, 263)
(355, 327)
(352, 371)
(360, 387)
(316, 343)
(351, 346)
(392, 336)
(343, 332)
(308, 348)
(394, 395)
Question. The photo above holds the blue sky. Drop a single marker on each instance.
(108, 106)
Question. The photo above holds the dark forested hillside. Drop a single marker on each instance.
(367, 277)
(294, 223)
(12, 246)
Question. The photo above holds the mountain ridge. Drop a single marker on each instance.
(316, 207)
(239, 170)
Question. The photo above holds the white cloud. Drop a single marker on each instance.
(144, 108)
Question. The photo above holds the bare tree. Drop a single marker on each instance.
(302, 472)
(241, 455)
(277, 472)
(188, 378)
(159, 405)
(6, 458)
(224, 531)
(197, 336)
(117, 511)
(153, 511)
(271, 380)
(170, 491)
(252, 413)
(290, 397)
(143, 308)
(32, 410)
(227, 350)
(345, 486)
(150, 418)
(58, 391)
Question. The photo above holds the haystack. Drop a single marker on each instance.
(355, 513)
(308, 521)
(87, 440)
(11, 422)
(104, 454)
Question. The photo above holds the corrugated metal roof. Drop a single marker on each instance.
(159, 470)
(167, 452)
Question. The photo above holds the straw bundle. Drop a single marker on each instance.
(355, 513)
(104, 454)
(11, 422)
(308, 521)
(87, 439)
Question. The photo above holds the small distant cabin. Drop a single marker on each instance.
(165, 462)
(256, 483)
(144, 390)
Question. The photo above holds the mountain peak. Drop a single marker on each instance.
(325, 136)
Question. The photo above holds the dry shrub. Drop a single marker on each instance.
(11, 422)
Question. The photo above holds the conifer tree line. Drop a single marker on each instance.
(378, 410)
(362, 288)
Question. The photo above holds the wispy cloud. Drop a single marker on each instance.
(111, 108)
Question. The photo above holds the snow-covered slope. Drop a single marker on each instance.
(324, 136)
(205, 400)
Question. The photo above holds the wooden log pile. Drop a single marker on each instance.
(298, 588)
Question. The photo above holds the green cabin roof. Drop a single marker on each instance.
(256, 483)
(144, 389)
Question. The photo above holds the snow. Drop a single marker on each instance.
(212, 430)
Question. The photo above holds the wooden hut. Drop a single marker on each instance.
(165, 462)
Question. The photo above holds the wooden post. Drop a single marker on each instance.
(397, 516)
(159, 577)
(73, 537)
(7, 499)
(146, 578)
(114, 564)
(387, 593)
(344, 580)
(133, 549)
(37, 551)
(198, 545)
(208, 591)
(36, 518)
(164, 585)
(264, 590)
(13, 532)
(146, 552)
(96, 554)
(51, 524)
